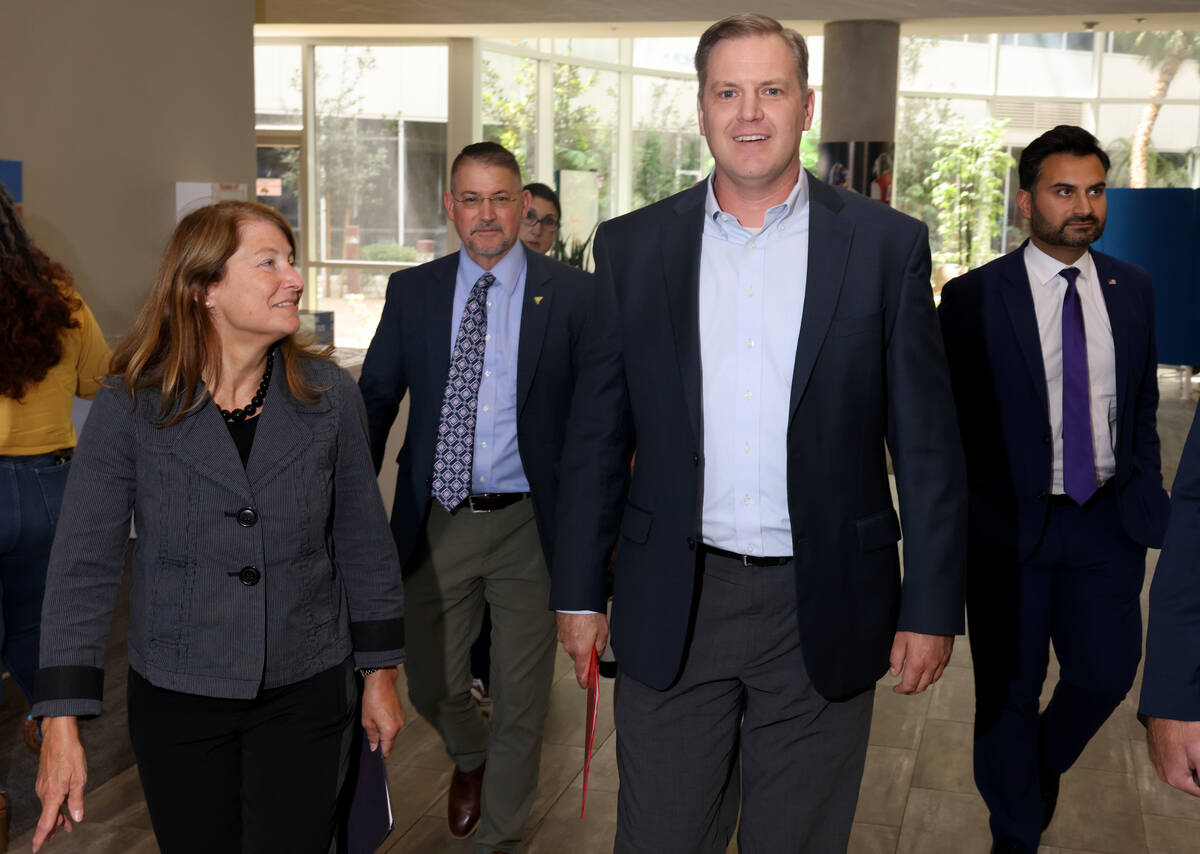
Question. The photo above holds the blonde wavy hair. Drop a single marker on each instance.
(173, 345)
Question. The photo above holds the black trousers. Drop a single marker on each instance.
(1079, 591)
(258, 776)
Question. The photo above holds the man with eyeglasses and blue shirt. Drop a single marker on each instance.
(483, 341)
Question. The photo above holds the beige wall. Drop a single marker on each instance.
(109, 103)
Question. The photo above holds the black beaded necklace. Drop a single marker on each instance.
(237, 416)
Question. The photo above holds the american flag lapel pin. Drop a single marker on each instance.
(1112, 281)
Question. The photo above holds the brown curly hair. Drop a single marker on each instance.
(36, 302)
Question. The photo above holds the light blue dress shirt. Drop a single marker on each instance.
(496, 466)
(752, 285)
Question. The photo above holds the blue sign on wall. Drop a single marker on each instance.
(1159, 229)
(10, 177)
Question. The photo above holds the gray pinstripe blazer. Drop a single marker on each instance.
(328, 579)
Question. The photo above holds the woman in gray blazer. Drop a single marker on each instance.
(263, 569)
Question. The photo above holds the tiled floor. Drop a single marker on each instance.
(917, 793)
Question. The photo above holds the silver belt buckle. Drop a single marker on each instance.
(745, 560)
(471, 505)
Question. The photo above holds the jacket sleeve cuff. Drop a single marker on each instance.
(68, 690)
(377, 635)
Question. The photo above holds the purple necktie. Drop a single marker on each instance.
(1079, 465)
(455, 447)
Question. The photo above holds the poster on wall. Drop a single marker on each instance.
(863, 167)
(10, 177)
(190, 195)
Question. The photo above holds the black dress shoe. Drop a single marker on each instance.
(1048, 783)
(1007, 846)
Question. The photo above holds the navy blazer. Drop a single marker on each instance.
(244, 577)
(1171, 682)
(991, 334)
(411, 353)
(869, 372)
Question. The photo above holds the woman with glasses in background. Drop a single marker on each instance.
(539, 228)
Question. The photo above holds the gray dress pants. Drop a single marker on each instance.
(742, 727)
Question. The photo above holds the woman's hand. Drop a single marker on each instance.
(382, 714)
(62, 773)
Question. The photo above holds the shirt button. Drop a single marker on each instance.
(749, 550)
(487, 373)
(750, 342)
(481, 478)
(746, 500)
(485, 409)
(487, 337)
(780, 228)
(750, 292)
(746, 448)
(483, 444)
(489, 303)
(753, 244)
(749, 395)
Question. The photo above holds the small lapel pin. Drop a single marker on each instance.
(1112, 281)
(538, 300)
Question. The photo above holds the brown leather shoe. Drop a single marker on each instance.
(462, 809)
(3, 822)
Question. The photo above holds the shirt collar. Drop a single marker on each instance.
(507, 270)
(776, 214)
(1045, 268)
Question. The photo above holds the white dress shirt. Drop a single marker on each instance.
(1048, 289)
(752, 286)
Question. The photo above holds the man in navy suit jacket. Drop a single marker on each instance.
(1171, 681)
(483, 342)
(1052, 356)
(762, 339)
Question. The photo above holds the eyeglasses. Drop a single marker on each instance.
(548, 222)
(499, 200)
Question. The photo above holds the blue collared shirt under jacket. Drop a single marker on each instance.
(752, 285)
(496, 465)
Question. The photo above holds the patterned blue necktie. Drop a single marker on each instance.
(1079, 463)
(456, 434)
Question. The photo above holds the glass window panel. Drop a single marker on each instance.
(355, 296)
(278, 185)
(585, 146)
(1173, 139)
(277, 86)
(935, 65)
(1130, 75)
(668, 152)
(1044, 71)
(665, 54)
(380, 152)
(816, 59)
(604, 50)
(1080, 41)
(510, 106)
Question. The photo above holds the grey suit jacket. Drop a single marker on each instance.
(243, 577)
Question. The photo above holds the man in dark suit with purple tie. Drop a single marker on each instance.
(1053, 363)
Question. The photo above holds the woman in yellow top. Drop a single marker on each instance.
(51, 351)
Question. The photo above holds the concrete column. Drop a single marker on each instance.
(858, 105)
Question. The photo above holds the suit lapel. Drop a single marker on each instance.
(681, 242)
(281, 435)
(1018, 299)
(829, 240)
(205, 445)
(439, 309)
(1120, 314)
(535, 314)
